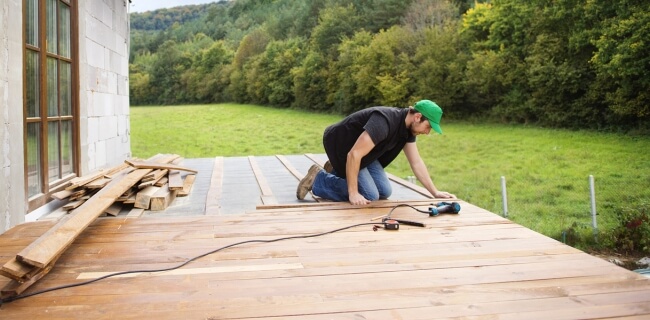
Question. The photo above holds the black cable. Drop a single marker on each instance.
(22, 296)
(406, 205)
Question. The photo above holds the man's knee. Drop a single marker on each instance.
(372, 195)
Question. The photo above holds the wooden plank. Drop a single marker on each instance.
(110, 173)
(143, 198)
(97, 183)
(46, 248)
(157, 175)
(73, 204)
(163, 181)
(150, 176)
(287, 164)
(188, 182)
(162, 198)
(62, 195)
(315, 159)
(267, 195)
(15, 287)
(155, 165)
(130, 199)
(135, 213)
(16, 270)
(114, 209)
(216, 188)
(80, 181)
(175, 180)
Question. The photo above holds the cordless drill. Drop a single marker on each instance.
(444, 207)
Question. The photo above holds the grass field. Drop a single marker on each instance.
(546, 170)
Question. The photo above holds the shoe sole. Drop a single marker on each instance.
(304, 186)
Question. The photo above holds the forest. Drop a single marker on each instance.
(575, 64)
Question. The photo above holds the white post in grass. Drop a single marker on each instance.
(592, 191)
(504, 196)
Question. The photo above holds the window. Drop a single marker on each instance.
(50, 97)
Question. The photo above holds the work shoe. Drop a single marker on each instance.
(328, 167)
(304, 186)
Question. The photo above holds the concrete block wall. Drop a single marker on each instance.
(104, 84)
(13, 203)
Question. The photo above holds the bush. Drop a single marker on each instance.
(632, 234)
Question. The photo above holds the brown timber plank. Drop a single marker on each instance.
(143, 198)
(62, 194)
(175, 180)
(287, 164)
(267, 195)
(216, 188)
(188, 182)
(162, 198)
(155, 165)
(114, 209)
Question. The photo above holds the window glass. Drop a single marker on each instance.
(65, 90)
(51, 26)
(53, 150)
(31, 22)
(64, 30)
(66, 147)
(32, 86)
(52, 88)
(33, 159)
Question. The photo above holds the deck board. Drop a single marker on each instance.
(475, 264)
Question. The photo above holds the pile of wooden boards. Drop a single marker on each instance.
(152, 184)
(155, 191)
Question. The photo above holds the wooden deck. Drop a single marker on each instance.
(474, 265)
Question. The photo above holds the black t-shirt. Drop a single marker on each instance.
(386, 128)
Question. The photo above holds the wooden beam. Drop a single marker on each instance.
(216, 187)
(50, 245)
(187, 185)
(97, 183)
(73, 204)
(143, 198)
(163, 181)
(155, 165)
(61, 195)
(135, 213)
(162, 198)
(16, 270)
(175, 180)
(267, 195)
(290, 167)
(316, 160)
(15, 287)
(114, 209)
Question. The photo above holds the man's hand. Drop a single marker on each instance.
(357, 199)
(443, 195)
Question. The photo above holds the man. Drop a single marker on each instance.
(363, 144)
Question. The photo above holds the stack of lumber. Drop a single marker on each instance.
(155, 191)
(137, 182)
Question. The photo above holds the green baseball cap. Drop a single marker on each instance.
(431, 111)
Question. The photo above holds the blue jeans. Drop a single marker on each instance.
(373, 184)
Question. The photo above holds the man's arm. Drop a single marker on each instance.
(360, 149)
(420, 170)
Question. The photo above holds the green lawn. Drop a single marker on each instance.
(546, 170)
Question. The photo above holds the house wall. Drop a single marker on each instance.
(104, 83)
(12, 177)
(104, 102)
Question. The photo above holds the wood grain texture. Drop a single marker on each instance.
(475, 264)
